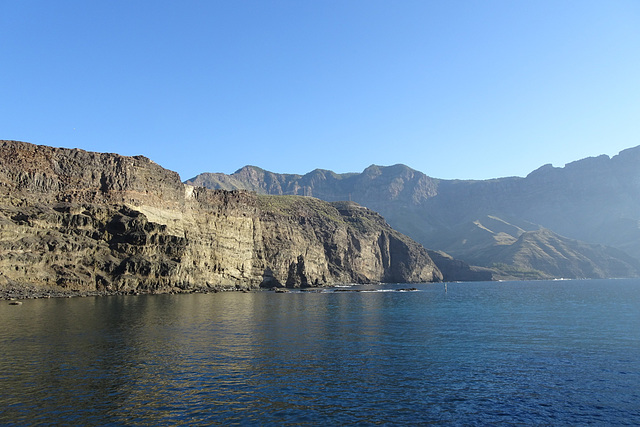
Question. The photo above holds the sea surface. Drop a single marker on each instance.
(512, 353)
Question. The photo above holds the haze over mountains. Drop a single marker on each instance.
(580, 220)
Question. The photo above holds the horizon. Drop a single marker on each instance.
(183, 179)
(455, 90)
(403, 164)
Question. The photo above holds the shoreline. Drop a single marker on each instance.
(26, 293)
(22, 293)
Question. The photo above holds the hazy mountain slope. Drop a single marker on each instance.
(468, 238)
(536, 252)
(556, 256)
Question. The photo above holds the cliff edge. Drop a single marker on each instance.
(73, 221)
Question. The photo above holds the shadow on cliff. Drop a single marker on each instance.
(269, 280)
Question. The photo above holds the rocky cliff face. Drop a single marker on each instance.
(594, 200)
(396, 191)
(77, 221)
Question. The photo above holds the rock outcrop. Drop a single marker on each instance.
(77, 221)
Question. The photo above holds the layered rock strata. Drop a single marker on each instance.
(82, 222)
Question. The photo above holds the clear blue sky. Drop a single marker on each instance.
(455, 89)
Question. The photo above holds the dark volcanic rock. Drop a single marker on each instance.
(76, 223)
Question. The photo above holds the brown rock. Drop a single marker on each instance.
(74, 222)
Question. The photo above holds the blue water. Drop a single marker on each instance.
(515, 353)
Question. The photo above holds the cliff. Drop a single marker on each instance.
(76, 221)
(395, 191)
(594, 201)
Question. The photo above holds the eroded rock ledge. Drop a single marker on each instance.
(77, 222)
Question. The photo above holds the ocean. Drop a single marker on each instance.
(487, 353)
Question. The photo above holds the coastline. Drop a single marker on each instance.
(20, 292)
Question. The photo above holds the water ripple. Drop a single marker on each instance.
(495, 353)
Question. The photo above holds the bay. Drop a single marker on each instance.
(543, 352)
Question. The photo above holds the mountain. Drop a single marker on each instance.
(595, 201)
(544, 254)
(79, 222)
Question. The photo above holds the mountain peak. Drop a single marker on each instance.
(249, 168)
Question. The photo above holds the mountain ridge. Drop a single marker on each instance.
(595, 200)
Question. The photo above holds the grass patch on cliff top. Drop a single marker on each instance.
(349, 214)
(298, 206)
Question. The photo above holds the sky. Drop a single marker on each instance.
(457, 89)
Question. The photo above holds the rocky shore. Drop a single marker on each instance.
(16, 292)
(26, 292)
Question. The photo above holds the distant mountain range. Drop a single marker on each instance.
(581, 220)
